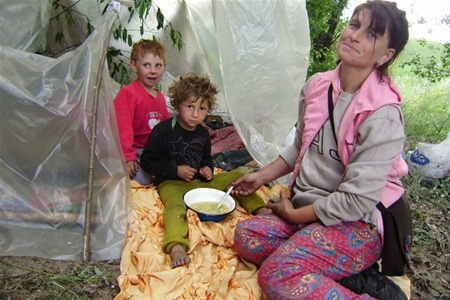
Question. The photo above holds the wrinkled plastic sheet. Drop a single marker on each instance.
(264, 49)
(24, 24)
(257, 52)
(47, 109)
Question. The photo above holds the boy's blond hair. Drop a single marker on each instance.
(195, 86)
(145, 46)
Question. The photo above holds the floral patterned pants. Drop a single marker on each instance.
(304, 261)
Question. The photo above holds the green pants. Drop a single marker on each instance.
(171, 193)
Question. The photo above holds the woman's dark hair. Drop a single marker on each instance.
(386, 17)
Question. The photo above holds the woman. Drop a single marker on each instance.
(342, 165)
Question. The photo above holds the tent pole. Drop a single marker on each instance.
(90, 192)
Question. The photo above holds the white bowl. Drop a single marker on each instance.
(209, 195)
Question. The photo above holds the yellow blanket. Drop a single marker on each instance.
(216, 271)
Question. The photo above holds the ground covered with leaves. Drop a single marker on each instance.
(36, 278)
(430, 206)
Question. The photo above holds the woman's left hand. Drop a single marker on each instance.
(283, 208)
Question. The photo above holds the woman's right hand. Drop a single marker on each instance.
(247, 184)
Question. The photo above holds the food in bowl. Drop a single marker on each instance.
(204, 202)
(210, 208)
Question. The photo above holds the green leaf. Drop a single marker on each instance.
(69, 18)
(105, 9)
(160, 19)
(172, 36)
(124, 35)
(113, 52)
(98, 271)
(131, 15)
(180, 44)
(59, 36)
(141, 9)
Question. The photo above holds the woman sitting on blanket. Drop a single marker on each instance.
(343, 163)
(178, 154)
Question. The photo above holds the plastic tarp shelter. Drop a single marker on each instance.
(54, 112)
(47, 109)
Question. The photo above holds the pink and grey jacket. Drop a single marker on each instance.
(372, 95)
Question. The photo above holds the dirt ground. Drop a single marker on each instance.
(36, 278)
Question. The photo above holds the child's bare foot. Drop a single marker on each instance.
(179, 256)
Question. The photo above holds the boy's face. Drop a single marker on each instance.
(191, 114)
(149, 69)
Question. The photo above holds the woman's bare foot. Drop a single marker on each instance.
(179, 256)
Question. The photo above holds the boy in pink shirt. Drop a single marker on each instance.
(140, 105)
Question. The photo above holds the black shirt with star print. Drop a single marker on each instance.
(170, 145)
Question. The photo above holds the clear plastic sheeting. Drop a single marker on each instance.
(24, 23)
(47, 107)
(256, 51)
(263, 49)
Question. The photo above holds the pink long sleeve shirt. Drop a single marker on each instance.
(137, 112)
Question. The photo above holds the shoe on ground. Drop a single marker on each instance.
(373, 283)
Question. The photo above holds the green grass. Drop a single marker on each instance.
(426, 105)
(426, 109)
(426, 112)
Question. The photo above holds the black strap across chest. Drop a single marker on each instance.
(330, 110)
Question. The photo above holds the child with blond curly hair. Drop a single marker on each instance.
(178, 154)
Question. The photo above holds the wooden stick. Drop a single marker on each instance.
(90, 192)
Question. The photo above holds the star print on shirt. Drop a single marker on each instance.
(179, 146)
(187, 151)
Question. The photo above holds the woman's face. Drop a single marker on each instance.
(359, 46)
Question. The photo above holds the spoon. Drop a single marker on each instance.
(225, 196)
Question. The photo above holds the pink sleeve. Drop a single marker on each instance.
(124, 105)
